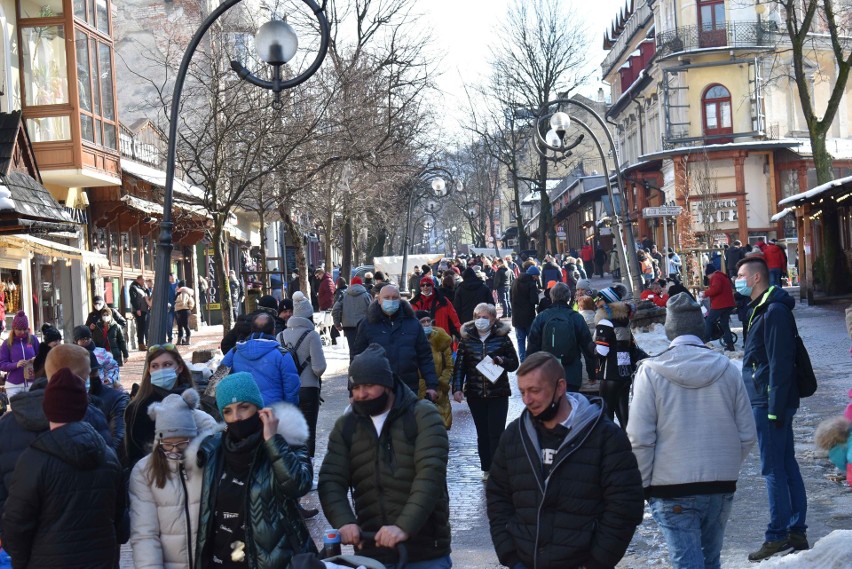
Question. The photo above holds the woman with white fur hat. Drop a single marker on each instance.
(165, 486)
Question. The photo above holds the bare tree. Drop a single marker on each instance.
(704, 188)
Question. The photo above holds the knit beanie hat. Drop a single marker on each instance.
(50, 334)
(81, 332)
(175, 416)
(534, 271)
(427, 280)
(238, 388)
(371, 366)
(683, 317)
(269, 302)
(20, 321)
(469, 274)
(584, 284)
(302, 306)
(65, 399)
(357, 280)
(609, 295)
(285, 304)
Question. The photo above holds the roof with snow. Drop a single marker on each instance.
(820, 191)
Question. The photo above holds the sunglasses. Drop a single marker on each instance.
(167, 347)
(425, 286)
(178, 446)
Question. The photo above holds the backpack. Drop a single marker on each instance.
(294, 351)
(409, 426)
(806, 380)
(559, 337)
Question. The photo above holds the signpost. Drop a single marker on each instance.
(664, 212)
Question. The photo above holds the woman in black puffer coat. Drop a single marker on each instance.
(488, 401)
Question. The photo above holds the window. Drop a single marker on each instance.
(95, 13)
(711, 21)
(97, 104)
(45, 69)
(40, 8)
(716, 105)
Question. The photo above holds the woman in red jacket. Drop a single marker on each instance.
(442, 311)
(721, 295)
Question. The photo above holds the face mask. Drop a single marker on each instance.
(164, 378)
(106, 319)
(548, 414)
(742, 287)
(482, 324)
(426, 292)
(172, 455)
(99, 306)
(390, 306)
(239, 430)
(371, 407)
(427, 330)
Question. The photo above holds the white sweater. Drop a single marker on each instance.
(690, 418)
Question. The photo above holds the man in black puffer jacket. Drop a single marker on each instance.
(564, 489)
(66, 499)
(469, 293)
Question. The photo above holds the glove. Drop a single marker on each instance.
(776, 422)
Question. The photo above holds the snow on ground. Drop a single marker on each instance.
(834, 551)
(653, 341)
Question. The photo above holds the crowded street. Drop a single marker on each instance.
(823, 331)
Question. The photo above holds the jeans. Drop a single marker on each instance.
(309, 403)
(723, 316)
(693, 527)
(775, 277)
(521, 334)
(788, 502)
(489, 417)
(505, 302)
(170, 325)
(350, 334)
(439, 563)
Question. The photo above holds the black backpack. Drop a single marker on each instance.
(294, 352)
(559, 337)
(805, 378)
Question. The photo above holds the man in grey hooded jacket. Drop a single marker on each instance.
(691, 427)
(349, 310)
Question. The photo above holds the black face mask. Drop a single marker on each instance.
(371, 407)
(239, 430)
(548, 414)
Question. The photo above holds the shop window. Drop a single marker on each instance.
(10, 289)
(716, 105)
(40, 8)
(45, 70)
(97, 103)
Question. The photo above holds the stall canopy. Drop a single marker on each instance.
(53, 249)
(392, 265)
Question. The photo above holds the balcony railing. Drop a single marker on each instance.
(732, 34)
(641, 17)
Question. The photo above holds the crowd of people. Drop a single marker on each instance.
(212, 476)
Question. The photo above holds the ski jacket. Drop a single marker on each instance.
(720, 292)
(112, 401)
(112, 337)
(442, 311)
(352, 308)
(524, 301)
(442, 355)
(325, 292)
(469, 293)
(614, 343)
(12, 352)
(775, 257)
(184, 299)
(472, 350)
(535, 340)
(275, 373)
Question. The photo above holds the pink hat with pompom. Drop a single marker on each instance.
(20, 321)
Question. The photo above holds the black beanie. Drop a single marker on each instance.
(50, 334)
(267, 301)
(81, 332)
(371, 366)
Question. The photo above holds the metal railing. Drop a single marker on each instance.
(732, 34)
(641, 17)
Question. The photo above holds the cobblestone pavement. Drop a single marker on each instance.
(830, 503)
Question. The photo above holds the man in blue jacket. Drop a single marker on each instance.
(769, 375)
(391, 323)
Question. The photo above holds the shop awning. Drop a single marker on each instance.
(838, 186)
(30, 207)
(781, 214)
(53, 249)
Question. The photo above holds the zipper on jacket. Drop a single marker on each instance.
(182, 476)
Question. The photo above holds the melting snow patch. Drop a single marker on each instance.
(834, 551)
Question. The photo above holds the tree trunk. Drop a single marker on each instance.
(222, 271)
(376, 245)
(523, 241)
(264, 276)
(299, 246)
(346, 261)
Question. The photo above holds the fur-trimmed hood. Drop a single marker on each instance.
(375, 314)
(291, 425)
(619, 313)
(500, 328)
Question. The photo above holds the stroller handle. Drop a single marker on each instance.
(401, 550)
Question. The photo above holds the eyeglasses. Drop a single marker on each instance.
(178, 446)
(425, 286)
(167, 347)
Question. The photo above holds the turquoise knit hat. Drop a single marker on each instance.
(238, 388)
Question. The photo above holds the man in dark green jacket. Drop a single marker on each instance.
(391, 449)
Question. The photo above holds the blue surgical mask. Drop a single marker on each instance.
(390, 306)
(427, 330)
(482, 324)
(742, 287)
(164, 378)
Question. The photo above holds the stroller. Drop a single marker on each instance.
(323, 323)
(313, 561)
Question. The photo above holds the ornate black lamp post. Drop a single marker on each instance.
(276, 43)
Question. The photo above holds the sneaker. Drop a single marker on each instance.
(771, 549)
(799, 541)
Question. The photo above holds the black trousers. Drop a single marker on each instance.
(182, 318)
(309, 402)
(141, 327)
(615, 395)
(489, 417)
(350, 334)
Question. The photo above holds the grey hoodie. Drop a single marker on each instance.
(310, 352)
(352, 308)
(690, 420)
(583, 412)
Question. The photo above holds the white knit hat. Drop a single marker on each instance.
(302, 306)
(175, 415)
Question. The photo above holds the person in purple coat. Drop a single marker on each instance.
(16, 352)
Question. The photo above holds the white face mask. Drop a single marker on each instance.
(482, 324)
(99, 306)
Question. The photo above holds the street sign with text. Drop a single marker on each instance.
(662, 211)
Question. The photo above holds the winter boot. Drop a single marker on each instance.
(771, 549)
(799, 541)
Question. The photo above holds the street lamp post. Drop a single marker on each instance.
(440, 190)
(555, 141)
(277, 43)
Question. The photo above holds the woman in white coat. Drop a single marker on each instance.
(165, 486)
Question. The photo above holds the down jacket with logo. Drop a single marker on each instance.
(614, 344)
(397, 478)
(280, 474)
(584, 513)
(404, 341)
(473, 350)
(66, 504)
(164, 521)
